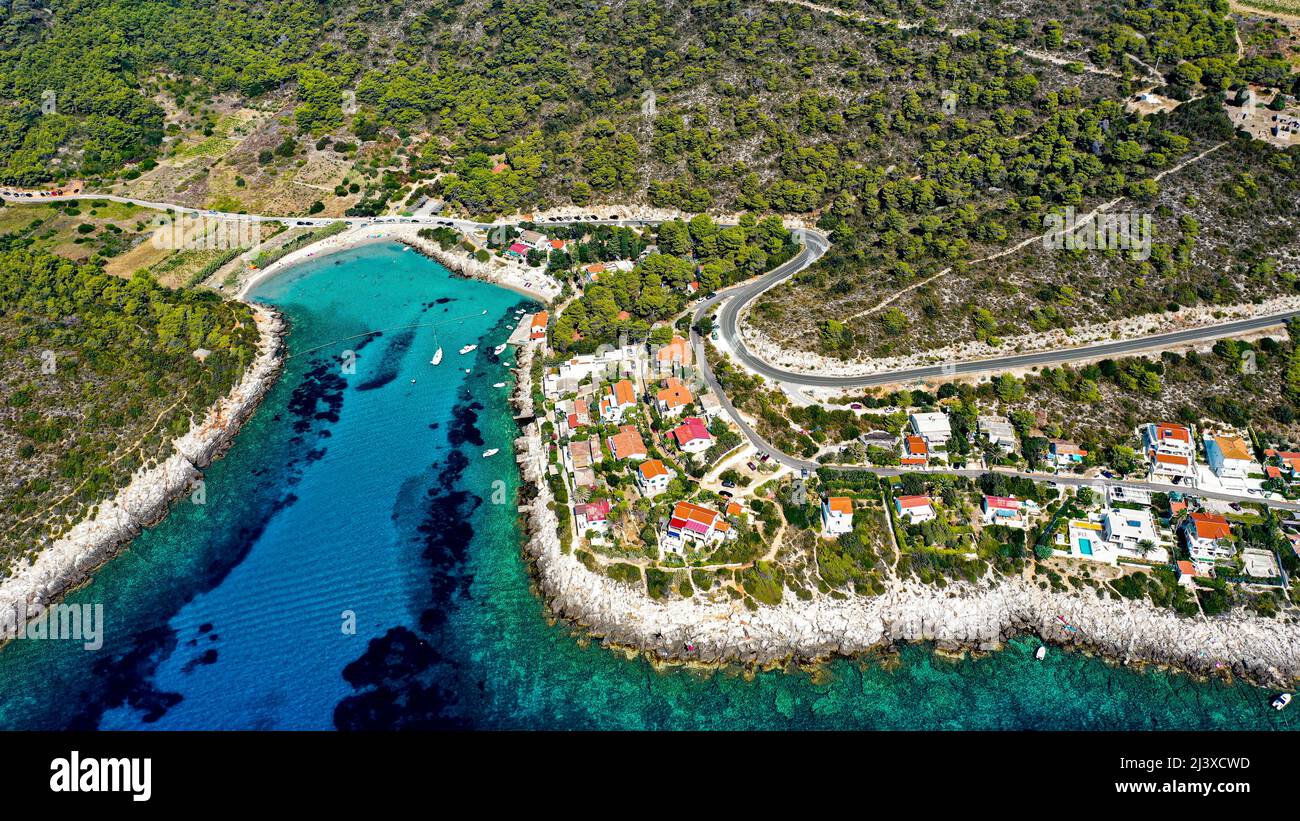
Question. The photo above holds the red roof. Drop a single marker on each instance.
(687, 516)
(691, 428)
(1165, 430)
(594, 511)
(1210, 526)
(904, 502)
(1003, 502)
(519, 248)
(1187, 569)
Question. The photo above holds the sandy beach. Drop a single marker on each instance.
(533, 282)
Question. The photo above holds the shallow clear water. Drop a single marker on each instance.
(364, 493)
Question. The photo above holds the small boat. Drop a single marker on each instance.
(1280, 701)
(437, 357)
(469, 370)
(498, 384)
(412, 381)
(498, 349)
(491, 452)
(1042, 652)
(468, 348)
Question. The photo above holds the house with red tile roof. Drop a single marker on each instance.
(915, 451)
(676, 354)
(673, 397)
(837, 515)
(593, 516)
(652, 477)
(1005, 510)
(537, 327)
(692, 524)
(619, 398)
(1169, 449)
(1208, 537)
(692, 435)
(914, 508)
(627, 444)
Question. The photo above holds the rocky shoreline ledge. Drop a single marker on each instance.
(957, 618)
(71, 560)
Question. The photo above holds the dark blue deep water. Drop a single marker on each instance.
(362, 495)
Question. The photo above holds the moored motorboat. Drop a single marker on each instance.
(498, 349)
(1042, 652)
(491, 452)
(1280, 701)
(468, 348)
(498, 384)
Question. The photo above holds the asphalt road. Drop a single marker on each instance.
(816, 245)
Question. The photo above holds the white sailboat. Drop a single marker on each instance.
(437, 357)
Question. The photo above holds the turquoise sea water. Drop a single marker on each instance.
(364, 493)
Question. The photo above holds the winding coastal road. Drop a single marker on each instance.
(733, 301)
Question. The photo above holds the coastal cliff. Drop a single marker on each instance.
(144, 501)
(976, 617)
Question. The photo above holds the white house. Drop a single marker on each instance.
(1169, 449)
(932, 427)
(1230, 458)
(1127, 529)
(1005, 510)
(652, 477)
(692, 436)
(837, 515)
(999, 432)
(593, 516)
(914, 508)
(1208, 537)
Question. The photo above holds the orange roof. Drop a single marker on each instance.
(627, 444)
(917, 446)
(580, 406)
(913, 501)
(540, 319)
(694, 513)
(912, 460)
(1210, 526)
(1165, 430)
(652, 468)
(624, 393)
(840, 504)
(1171, 459)
(594, 268)
(677, 350)
(1272, 471)
(1233, 447)
(1186, 569)
(675, 395)
(557, 244)
(734, 509)
(1177, 507)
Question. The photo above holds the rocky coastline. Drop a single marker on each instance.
(960, 617)
(145, 500)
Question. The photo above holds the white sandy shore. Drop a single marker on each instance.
(959, 617)
(516, 276)
(72, 559)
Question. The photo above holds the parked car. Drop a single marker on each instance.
(726, 494)
(751, 466)
(728, 483)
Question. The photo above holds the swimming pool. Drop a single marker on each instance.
(1085, 546)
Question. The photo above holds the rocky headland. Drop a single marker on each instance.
(145, 500)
